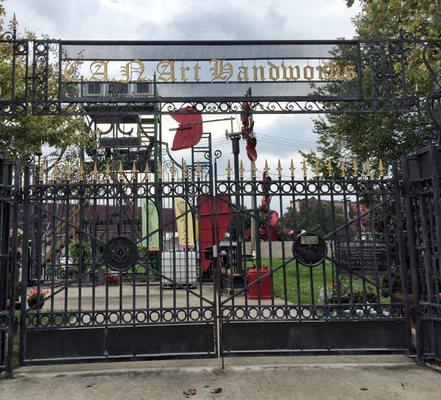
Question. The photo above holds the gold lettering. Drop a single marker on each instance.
(183, 73)
(243, 73)
(334, 71)
(261, 70)
(99, 71)
(138, 67)
(274, 73)
(290, 73)
(349, 72)
(308, 72)
(70, 71)
(221, 70)
(166, 71)
(196, 69)
(323, 73)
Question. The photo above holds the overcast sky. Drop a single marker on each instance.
(195, 19)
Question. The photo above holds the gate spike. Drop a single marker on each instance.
(292, 168)
(95, 172)
(173, 172)
(381, 168)
(81, 172)
(241, 169)
(56, 173)
(134, 171)
(228, 169)
(14, 23)
(317, 169)
(198, 170)
(266, 168)
(147, 171)
(330, 169)
(355, 167)
(120, 171)
(342, 168)
(367, 168)
(68, 172)
(253, 170)
(107, 172)
(159, 171)
(279, 169)
(304, 168)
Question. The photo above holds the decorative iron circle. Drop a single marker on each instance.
(120, 253)
(309, 249)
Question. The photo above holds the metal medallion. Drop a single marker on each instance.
(309, 249)
(120, 253)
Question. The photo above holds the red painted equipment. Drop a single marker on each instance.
(213, 211)
(262, 289)
(189, 132)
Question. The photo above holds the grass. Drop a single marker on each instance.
(305, 282)
(300, 280)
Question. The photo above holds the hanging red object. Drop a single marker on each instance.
(212, 210)
(247, 131)
(189, 132)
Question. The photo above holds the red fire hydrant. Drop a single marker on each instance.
(262, 289)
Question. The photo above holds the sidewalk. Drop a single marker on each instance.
(324, 377)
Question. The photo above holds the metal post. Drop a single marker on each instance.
(25, 258)
(235, 141)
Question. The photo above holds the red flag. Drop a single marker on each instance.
(189, 132)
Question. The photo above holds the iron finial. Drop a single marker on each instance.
(253, 170)
(228, 169)
(292, 168)
(380, 168)
(241, 169)
(279, 169)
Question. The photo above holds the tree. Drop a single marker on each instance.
(26, 134)
(382, 136)
(320, 217)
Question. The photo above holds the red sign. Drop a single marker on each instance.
(189, 132)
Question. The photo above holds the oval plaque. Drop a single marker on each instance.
(309, 249)
(120, 253)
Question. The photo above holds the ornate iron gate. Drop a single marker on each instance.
(110, 276)
(329, 276)
(127, 256)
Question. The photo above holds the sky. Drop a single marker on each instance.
(278, 136)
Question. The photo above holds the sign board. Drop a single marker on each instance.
(198, 70)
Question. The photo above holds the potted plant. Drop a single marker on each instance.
(36, 298)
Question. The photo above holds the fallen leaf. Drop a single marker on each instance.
(216, 390)
(189, 392)
(206, 386)
(363, 388)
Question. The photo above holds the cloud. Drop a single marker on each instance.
(190, 19)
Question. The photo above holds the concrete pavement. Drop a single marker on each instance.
(308, 377)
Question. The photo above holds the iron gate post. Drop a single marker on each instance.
(25, 257)
(235, 141)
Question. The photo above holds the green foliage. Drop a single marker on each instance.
(314, 216)
(382, 136)
(80, 252)
(23, 135)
